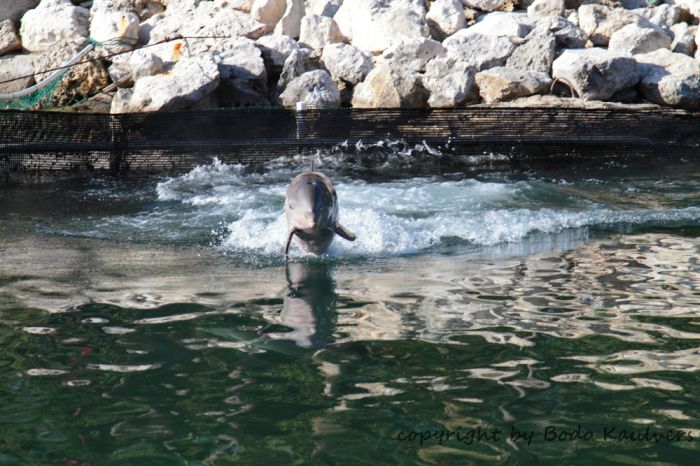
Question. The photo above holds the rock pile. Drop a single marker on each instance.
(360, 53)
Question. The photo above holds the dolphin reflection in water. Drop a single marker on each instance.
(309, 304)
(311, 208)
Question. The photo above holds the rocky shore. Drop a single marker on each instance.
(356, 53)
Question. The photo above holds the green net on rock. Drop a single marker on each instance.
(34, 101)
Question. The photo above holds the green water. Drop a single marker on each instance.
(154, 322)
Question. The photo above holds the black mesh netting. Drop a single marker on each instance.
(32, 141)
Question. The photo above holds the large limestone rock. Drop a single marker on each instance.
(413, 54)
(595, 74)
(600, 22)
(501, 23)
(536, 53)
(502, 83)
(446, 17)
(374, 25)
(567, 34)
(241, 59)
(324, 7)
(486, 5)
(268, 12)
(385, 87)
(347, 63)
(118, 30)
(9, 39)
(546, 9)
(277, 48)
(450, 83)
(683, 39)
(14, 9)
(189, 81)
(51, 22)
(290, 24)
(319, 31)
(215, 19)
(242, 5)
(126, 6)
(14, 66)
(479, 50)
(315, 88)
(298, 62)
(662, 15)
(692, 6)
(670, 78)
(634, 39)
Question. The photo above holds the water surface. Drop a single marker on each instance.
(155, 321)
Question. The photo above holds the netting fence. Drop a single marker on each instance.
(155, 142)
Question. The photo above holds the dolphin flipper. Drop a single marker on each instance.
(343, 232)
(289, 242)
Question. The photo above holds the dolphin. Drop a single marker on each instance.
(311, 208)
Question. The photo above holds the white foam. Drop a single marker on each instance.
(395, 217)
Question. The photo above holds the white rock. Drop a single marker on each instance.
(189, 81)
(502, 83)
(595, 73)
(347, 63)
(567, 34)
(182, 6)
(315, 88)
(205, 19)
(131, 6)
(662, 15)
(14, 66)
(600, 22)
(500, 23)
(241, 59)
(144, 63)
(479, 50)
(389, 88)
(413, 54)
(546, 9)
(446, 17)
(300, 61)
(450, 83)
(9, 39)
(147, 26)
(242, 5)
(51, 22)
(290, 24)
(119, 30)
(268, 12)
(485, 5)
(324, 7)
(319, 31)
(14, 9)
(536, 53)
(374, 25)
(692, 6)
(634, 39)
(121, 99)
(277, 48)
(670, 78)
(683, 39)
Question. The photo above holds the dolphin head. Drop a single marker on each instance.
(311, 203)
